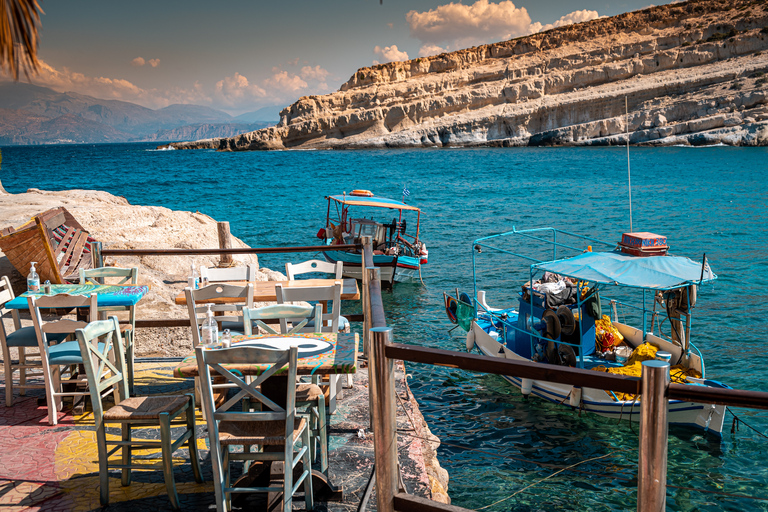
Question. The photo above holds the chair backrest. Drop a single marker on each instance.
(97, 340)
(216, 360)
(311, 266)
(60, 301)
(218, 275)
(311, 294)
(122, 275)
(225, 298)
(6, 295)
(283, 312)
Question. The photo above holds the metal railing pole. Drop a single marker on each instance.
(366, 241)
(97, 260)
(652, 463)
(382, 392)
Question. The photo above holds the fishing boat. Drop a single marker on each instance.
(54, 240)
(560, 316)
(397, 249)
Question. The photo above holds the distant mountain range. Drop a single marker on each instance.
(30, 114)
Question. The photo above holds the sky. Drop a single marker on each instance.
(239, 56)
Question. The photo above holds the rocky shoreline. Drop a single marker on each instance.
(691, 73)
(120, 225)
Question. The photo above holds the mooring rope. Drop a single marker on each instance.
(737, 420)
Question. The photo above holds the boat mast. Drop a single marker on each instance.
(629, 176)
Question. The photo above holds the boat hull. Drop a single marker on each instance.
(391, 268)
(707, 417)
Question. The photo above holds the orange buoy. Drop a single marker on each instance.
(361, 193)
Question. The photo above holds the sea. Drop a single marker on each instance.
(503, 453)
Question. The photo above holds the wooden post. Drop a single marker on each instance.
(225, 242)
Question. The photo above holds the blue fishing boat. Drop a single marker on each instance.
(563, 315)
(397, 250)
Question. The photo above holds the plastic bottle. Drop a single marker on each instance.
(209, 331)
(194, 278)
(33, 280)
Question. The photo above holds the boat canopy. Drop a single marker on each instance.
(376, 202)
(614, 268)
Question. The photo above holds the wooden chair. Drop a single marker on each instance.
(237, 297)
(313, 266)
(122, 276)
(54, 357)
(330, 321)
(219, 275)
(309, 395)
(275, 426)
(24, 340)
(105, 376)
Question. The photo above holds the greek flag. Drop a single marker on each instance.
(406, 193)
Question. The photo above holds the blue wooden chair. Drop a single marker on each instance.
(274, 426)
(122, 276)
(96, 342)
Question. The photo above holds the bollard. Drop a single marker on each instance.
(381, 374)
(652, 463)
(97, 260)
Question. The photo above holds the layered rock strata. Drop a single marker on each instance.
(690, 73)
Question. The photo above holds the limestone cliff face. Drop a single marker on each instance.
(693, 72)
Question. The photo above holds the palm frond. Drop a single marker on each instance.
(19, 23)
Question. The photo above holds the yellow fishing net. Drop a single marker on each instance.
(634, 368)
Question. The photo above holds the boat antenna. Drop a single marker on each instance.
(629, 175)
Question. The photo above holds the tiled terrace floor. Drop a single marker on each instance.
(56, 468)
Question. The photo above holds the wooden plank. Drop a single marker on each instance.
(45, 242)
(79, 241)
(412, 503)
(63, 244)
(234, 250)
(70, 249)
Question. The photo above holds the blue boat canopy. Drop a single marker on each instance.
(375, 201)
(615, 268)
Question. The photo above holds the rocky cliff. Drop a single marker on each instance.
(690, 73)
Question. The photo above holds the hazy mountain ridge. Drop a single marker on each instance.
(694, 72)
(30, 114)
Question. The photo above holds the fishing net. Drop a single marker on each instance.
(465, 313)
(634, 368)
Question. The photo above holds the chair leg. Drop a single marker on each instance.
(126, 452)
(22, 371)
(49, 395)
(8, 372)
(289, 453)
(101, 442)
(166, 441)
(194, 457)
(322, 432)
(309, 498)
(129, 360)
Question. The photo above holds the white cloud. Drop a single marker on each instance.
(153, 62)
(138, 61)
(453, 26)
(314, 73)
(389, 53)
(237, 89)
(428, 50)
(283, 82)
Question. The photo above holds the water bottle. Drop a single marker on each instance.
(194, 279)
(33, 280)
(209, 331)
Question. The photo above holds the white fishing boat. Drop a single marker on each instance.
(558, 318)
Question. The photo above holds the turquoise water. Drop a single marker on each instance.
(703, 199)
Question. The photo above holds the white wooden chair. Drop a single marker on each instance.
(104, 376)
(275, 425)
(24, 340)
(61, 355)
(121, 276)
(330, 320)
(220, 275)
(237, 296)
(313, 266)
(307, 394)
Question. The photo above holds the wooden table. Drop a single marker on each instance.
(341, 358)
(264, 291)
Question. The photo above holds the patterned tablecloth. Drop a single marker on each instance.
(340, 358)
(107, 294)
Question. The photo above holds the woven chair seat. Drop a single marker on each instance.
(257, 432)
(308, 392)
(145, 407)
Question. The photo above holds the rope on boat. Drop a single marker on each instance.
(737, 420)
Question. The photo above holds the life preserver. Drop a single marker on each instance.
(451, 304)
(361, 193)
